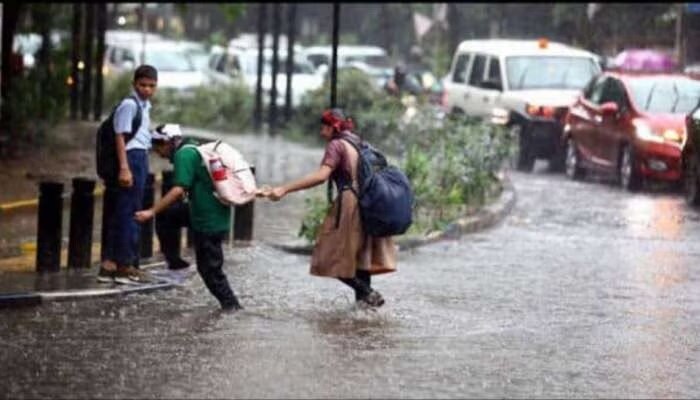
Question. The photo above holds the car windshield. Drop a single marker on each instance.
(549, 72)
(169, 60)
(665, 95)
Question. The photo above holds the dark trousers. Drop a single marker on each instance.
(122, 233)
(169, 224)
(361, 283)
(210, 260)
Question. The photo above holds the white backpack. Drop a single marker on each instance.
(232, 176)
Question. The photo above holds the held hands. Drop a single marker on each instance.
(274, 194)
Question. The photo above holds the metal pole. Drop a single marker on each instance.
(87, 60)
(334, 60)
(82, 208)
(243, 219)
(291, 21)
(144, 29)
(146, 238)
(75, 59)
(275, 61)
(48, 253)
(262, 17)
(99, 77)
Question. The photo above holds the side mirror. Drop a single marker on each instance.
(609, 109)
(492, 84)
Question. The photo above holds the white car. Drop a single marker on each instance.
(372, 60)
(175, 67)
(242, 65)
(527, 85)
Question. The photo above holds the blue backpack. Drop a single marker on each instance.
(384, 194)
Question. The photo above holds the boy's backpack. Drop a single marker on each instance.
(232, 176)
(384, 193)
(107, 162)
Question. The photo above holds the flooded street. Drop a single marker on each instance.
(583, 291)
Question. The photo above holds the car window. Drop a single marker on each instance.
(476, 75)
(613, 91)
(460, 70)
(494, 69)
(596, 92)
(664, 95)
(318, 59)
(169, 60)
(549, 72)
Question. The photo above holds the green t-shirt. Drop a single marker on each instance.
(207, 214)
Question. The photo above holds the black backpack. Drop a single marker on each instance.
(107, 162)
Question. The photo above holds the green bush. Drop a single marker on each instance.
(375, 113)
(226, 108)
(316, 209)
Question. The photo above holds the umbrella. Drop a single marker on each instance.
(645, 60)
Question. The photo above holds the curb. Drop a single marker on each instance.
(486, 217)
(15, 300)
(23, 299)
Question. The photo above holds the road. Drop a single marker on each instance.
(582, 291)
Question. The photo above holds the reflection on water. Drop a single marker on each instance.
(660, 217)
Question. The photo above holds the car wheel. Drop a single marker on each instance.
(691, 187)
(572, 162)
(629, 176)
(524, 161)
(557, 162)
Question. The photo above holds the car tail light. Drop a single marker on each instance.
(541, 111)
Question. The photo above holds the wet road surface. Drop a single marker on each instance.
(583, 291)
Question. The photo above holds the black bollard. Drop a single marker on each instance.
(147, 227)
(108, 208)
(166, 185)
(48, 253)
(82, 208)
(243, 219)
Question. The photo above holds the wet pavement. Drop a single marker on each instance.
(583, 291)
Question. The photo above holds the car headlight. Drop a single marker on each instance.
(645, 133)
(500, 116)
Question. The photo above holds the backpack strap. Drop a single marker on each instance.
(135, 123)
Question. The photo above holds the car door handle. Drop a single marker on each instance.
(467, 95)
(486, 99)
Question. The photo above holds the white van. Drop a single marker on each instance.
(526, 84)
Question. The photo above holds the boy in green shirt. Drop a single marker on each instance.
(209, 218)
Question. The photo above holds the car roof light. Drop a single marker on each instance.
(542, 43)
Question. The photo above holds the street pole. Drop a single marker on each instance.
(257, 113)
(291, 21)
(99, 77)
(680, 37)
(144, 28)
(275, 61)
(75, 59)
(334, 60)
(88, 59)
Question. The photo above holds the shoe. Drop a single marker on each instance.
(130, 276)
(373, 299)
(179, 265)
(105, 275)
(233, 307)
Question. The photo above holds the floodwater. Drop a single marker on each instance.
(583, 291)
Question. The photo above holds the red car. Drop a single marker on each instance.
(631, 125)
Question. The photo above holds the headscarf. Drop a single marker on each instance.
(336, 118)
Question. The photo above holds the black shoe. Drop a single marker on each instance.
(373, 299)
(232, 307)
(178, 265)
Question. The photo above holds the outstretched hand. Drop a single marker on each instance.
(274, 194)
(144, 215)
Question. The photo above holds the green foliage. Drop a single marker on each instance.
(317, 208)
(225, 108)
(373, 112)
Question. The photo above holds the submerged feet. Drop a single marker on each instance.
(373, 299)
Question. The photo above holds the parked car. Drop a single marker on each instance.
(631, 125)
(175, 68)
(526, 85)
(691, 158)
(241, 65)
(372, 60)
